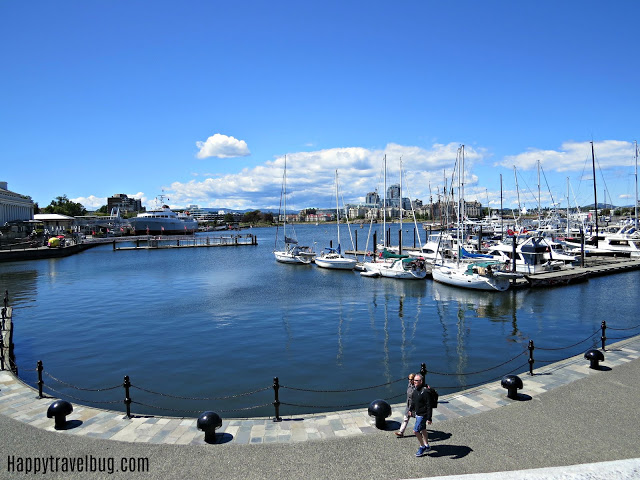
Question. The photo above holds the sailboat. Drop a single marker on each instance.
(332, 257)
(293, 252)
(479, 273)
(389, 264)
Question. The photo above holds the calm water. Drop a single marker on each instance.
(214, 322)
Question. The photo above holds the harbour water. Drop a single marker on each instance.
(218, 322)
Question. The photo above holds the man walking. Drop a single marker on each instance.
(423, 411)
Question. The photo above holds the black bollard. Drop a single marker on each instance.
(276, 401)
(380, 410)
(40, 382)
(4, 314)
(423, 370)
(512, 383)
(59, 411)
(604, 335)
(127, 399)
(594, 356)
(531, 360)
(208, 422)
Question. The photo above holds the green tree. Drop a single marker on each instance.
(267, 217)
(228, 218)
(251, 217)
(63, 206)
(103, 210)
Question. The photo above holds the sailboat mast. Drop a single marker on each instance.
(636, 204)
(501, 212)
(567, 206)
(401, 192)
(595, 192)
(337, 212)
(384, 205)
(539, 225)
(284, 224)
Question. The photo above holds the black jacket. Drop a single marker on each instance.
(421, 403)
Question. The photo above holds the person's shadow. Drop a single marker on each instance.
(446, 450)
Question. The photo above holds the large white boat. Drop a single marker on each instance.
(485, 275)
(534, 255)
(163, 221)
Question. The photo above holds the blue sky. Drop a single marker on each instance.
(203, 99)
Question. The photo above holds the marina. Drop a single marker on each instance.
(186, 310)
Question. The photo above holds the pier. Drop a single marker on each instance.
(181, 241)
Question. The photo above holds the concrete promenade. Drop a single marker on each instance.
(567, 414)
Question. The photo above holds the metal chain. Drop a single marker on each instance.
(570, 346)
(198, 411)
(80, 388)
(62, 395)
(471, 385)
(342, 391)
(630, 328)
(200, 398)
(479, 371)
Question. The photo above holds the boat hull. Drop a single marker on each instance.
(336, 263)
(453, 277)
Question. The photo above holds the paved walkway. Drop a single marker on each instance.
(492, 432)
(21, 402)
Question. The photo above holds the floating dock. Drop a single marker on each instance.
(163, 242)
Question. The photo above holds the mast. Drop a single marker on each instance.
(567, 206)
(636, 204)
(337, 212)
(501, 212)
(400, 193)
(284, 224)
(384, 206)
(595, 193)
(539, 225)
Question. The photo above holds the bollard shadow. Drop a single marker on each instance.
(521, 397)
(71, 424)
(602, 368)
(391, 425)
(454, 452)
(220, 438)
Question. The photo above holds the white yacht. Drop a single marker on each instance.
(163, 221)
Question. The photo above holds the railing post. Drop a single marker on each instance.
(604, 336)
(531, 360)
(4, 313)
(423, 370)
(6, 298)
(40, 382)
(127, 399)
(1, 352)
(276, 402)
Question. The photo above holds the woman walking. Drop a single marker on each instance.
(407, 414)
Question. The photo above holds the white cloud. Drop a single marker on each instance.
(572, 156)
(222, 146)
(90, 202)
(310, 177)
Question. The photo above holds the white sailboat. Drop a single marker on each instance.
(479, 274)
(292, 253)
(391, 265)
(333, 258)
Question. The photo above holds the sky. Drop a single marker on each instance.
(201, 101)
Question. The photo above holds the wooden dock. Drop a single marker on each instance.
(159, 243)
(594, 267)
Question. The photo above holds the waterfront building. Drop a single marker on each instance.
(14, 206)
(55, 223)
(372, 199)
(124, 203)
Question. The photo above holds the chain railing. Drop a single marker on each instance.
(128, 386)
